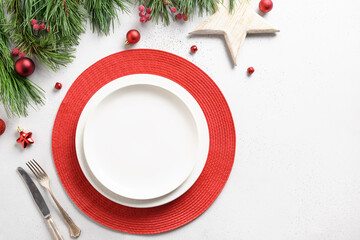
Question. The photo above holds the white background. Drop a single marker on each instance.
(297, 169)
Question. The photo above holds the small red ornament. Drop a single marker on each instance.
(250, 70)
(25, 138)
(58, 86)
(142, 14)
(173, 9)
(36, 27)
(142, 19)
(178, 16)
(185, 17)
(147, 17)
(2, 127)
(15, 52)
(132, 37)
(24, 66)
(42, 26)
(194, 49)
(33, 21)
(148, 10)
(265, 5)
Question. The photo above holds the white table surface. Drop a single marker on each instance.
(296, 172)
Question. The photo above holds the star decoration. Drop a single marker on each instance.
(25, 138)
(234, 26)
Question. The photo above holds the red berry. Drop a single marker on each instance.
(148, 10)
(58, 86)
(48, 29)
(194, 49)
(250, 70)
(142, 19)
(141, 8)
(173, 9)
(142, 14)
(2, 127)
(21, 54)
(147, 17)
(178, 16)
(42, 26)
(15, 52)
(185, 17)
(36, 27)
(33, 21)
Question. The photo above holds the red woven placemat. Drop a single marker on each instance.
(216, 171)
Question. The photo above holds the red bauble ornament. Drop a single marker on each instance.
(24, 66)
(265, 5)
(194, 49)
(132, 37)
(58, 86)
(250, 70)
(25, 138)
(2, 127)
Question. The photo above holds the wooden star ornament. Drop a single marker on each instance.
(234, 26)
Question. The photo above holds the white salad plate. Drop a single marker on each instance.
(142, 140)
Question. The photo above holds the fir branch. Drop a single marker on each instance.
(161, 8)
(103, 13)
(56, 47)
(16, 93)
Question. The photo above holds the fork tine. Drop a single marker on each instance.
(40, 167)
(36, 169)
(33, 170)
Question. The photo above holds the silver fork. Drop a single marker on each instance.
(44, 181)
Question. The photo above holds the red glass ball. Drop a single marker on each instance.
(133, 36)
(265, 5)
(250, 70)
(194, 49)
(24, 66)
(2, 127)
(58, 86)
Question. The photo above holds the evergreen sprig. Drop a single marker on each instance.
(65, 19)
(103, 13)
(16, 92)
(161, 8)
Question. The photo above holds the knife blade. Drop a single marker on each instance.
(40, 203)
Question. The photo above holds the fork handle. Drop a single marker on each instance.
(54, 230)
(73, 228)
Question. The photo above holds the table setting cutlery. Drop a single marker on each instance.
(40, 203)
(44, 181)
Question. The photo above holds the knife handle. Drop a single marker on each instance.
(55, 231)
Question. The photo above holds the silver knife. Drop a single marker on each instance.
(40, 202)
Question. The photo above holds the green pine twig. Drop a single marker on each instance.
(102, 14)
(16, 93)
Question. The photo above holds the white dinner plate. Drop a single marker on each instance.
(142, 140)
